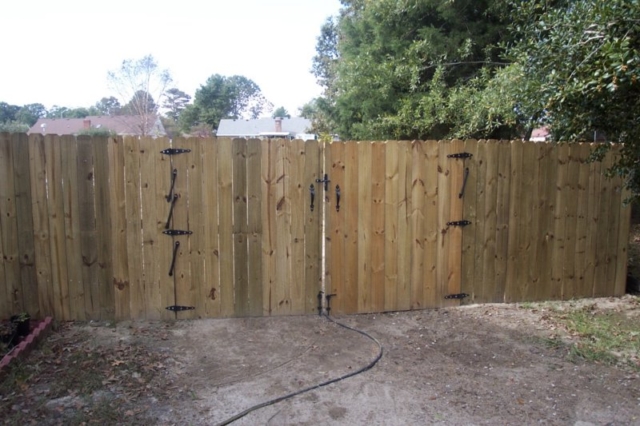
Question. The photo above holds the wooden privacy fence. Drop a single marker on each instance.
(101, 228)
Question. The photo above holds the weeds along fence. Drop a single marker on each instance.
(113, 228)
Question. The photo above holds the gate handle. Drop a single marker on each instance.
(337, 198)
(312, 190)
(173, 203)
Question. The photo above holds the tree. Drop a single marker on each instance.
(144, 84)
(108, 106)
(280, 112)
(8, 112)
(224, 97)
(29, 114)
(140, 101)
(388, 65)
(14, 127)
(580, 70)
(176, 101)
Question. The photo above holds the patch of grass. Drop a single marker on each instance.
(605, 337)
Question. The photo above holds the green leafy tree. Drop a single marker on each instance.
(224, 97)
(29, 114)
(8, 112)
(108, 106)
(14, 127)
(387, 65)
(579, 64)
(176, 101)
(280, 112)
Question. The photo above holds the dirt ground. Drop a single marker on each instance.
(483, 364)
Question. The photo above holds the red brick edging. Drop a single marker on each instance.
(28, 343)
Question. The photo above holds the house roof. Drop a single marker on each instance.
(120, 124)
(539, 135)
(263, 127)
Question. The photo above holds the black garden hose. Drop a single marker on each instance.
(291, 395)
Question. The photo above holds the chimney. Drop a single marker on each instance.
(86, 124)
(278, 124)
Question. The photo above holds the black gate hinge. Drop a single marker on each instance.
(173, 232)
(459, 223)
(462, 155)
(457, 296)
(176, 308)
(173, 151)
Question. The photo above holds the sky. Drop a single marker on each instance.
(59, 52)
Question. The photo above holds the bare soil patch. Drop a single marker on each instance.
(482, 364)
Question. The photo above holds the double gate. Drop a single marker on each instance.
(263, 227)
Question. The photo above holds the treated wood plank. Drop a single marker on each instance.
(489, 214)
(327, 204)
(593, 214)
(416, 229)
(117, 211)
(613, 224)
(37, 157)
(624, 224)
(268, 187)
(431, 292)
(454, 235)
(470, 199)
(582, 230)
(391, 204)
(557, 261)
(502, 219)
(225, 200)
(157, 287)
(365, 302)
(299, 203)
(546, 245)
(282, 290)
(211, 295)
(570, 195)
(528, 273)
(335, 164)
(196, 216)
(240, 245)
(88, 232)
(105, 293)
(377, 242)
(189, 215)
(604, 195)
(312, 226)
(133, 209)
(11, 302)
(515, 224)
(9, 286)
(254, 226)
(405, 174)
(24, 214)
(350, 201)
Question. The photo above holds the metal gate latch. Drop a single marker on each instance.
(176, 308)
(325, 181)
(459, 223)
(456, 296)
(173, 151)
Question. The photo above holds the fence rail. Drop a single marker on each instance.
(82, 224)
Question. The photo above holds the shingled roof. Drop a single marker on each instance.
(295, 128)
(119, 124)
